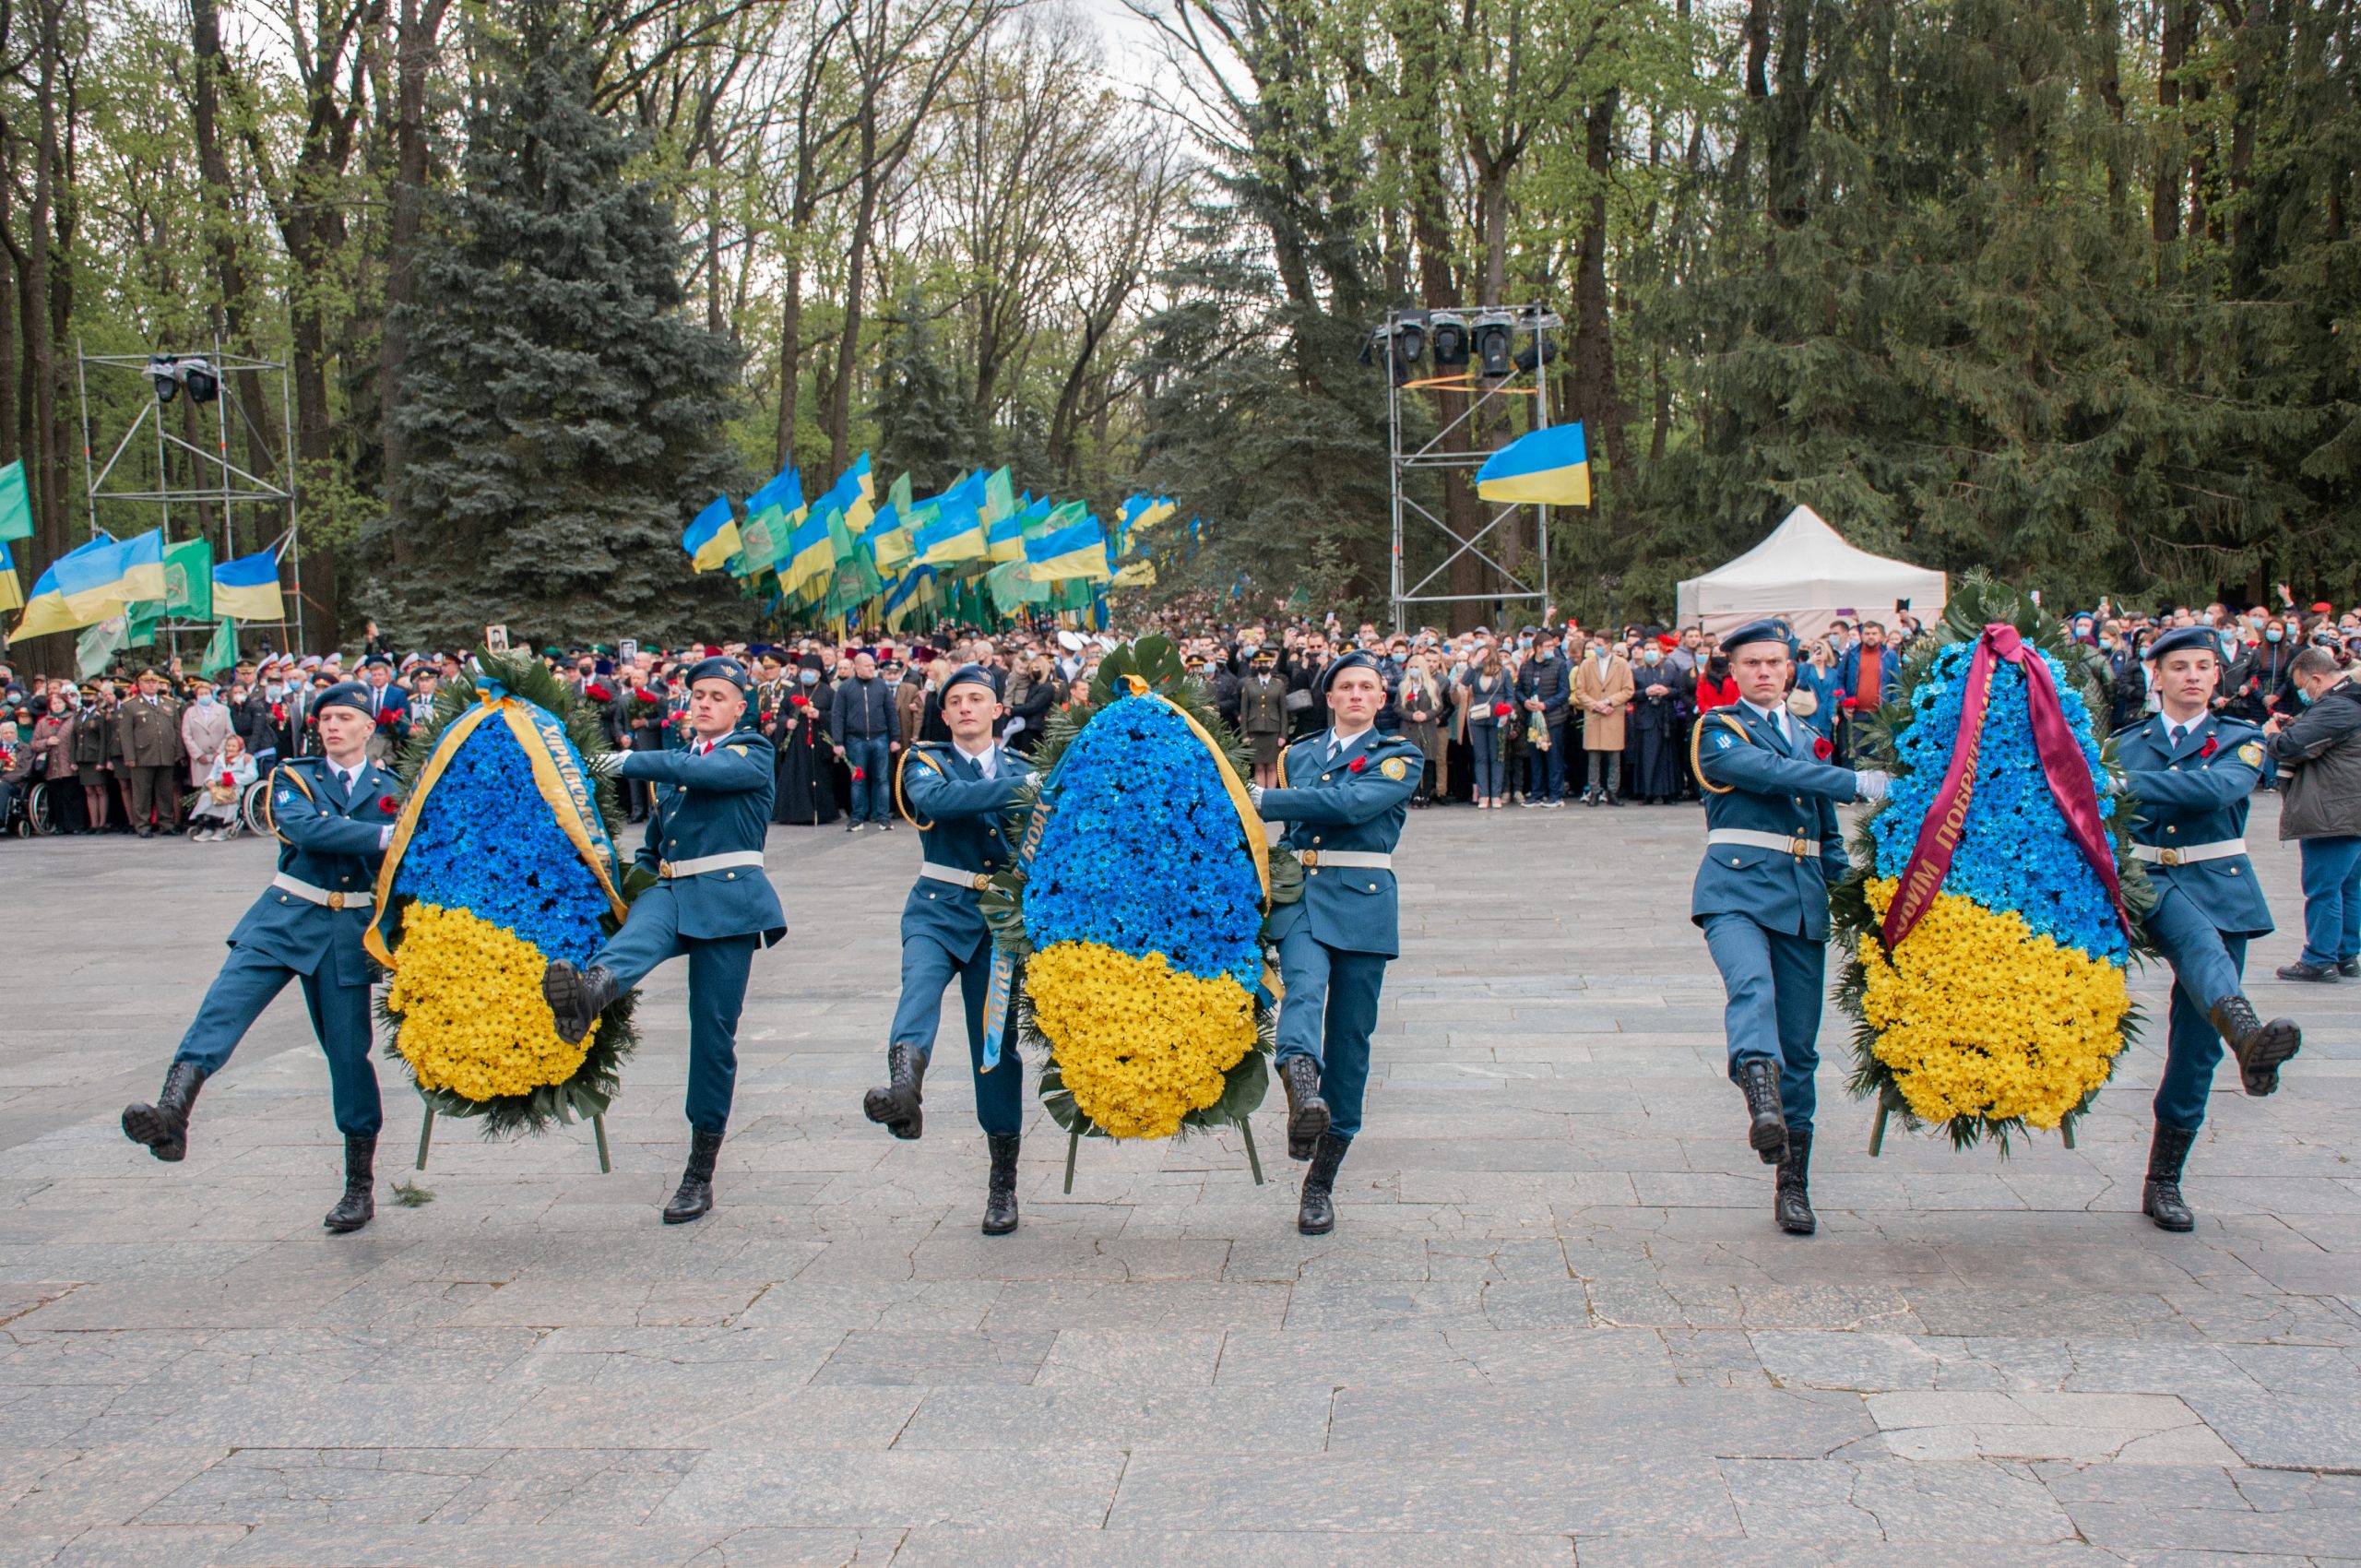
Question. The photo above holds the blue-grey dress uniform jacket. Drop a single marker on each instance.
(2188, 795)
(714, 804)
(1757, 782)
(327, 838)
(1330, 804)
(958, 814)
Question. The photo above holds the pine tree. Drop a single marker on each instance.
(564, 414)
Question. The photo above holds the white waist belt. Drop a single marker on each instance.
(976, 881)
(321, 895)
(669, 870)
(2157, 855)
(1354, 860)
(1786, 843)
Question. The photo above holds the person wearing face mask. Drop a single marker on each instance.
(2318, 742)
(805, 795)
(1660, 717)
(204, 725)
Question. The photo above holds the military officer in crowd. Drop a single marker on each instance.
(1772, 849)
(1343, 793)
(2191, 771)
(148, 724)
(334, 815)
(954, 794)
(711, 902)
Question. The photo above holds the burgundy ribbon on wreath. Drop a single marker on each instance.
(2061, 765)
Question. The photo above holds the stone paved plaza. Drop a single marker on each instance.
(1555, 1324)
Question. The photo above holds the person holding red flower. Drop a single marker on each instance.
(388, 706)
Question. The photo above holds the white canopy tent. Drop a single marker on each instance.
(1806, 573)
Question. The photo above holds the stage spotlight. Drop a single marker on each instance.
(1492, 339)
(1449, 331)
(198, 377)
(165, 372)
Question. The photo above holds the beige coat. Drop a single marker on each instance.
(1603, 731)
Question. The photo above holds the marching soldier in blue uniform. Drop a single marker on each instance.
(1343, 793)
(334, 815)
(2191, 771)
(711, 903)
(955, 795)
(1772, 849)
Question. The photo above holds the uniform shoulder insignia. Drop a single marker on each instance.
(2251, 754)
(1394, 767)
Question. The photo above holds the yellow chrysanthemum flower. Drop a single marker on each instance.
(1979, 1017)
(472, 1019)
(1139, 1043)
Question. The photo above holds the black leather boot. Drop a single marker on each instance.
(576, 997)
(695, 1196)
(359, 1205)
(1793, 1204)
(1306, 1112)
(1315, 1213)
(899, 1106)
(163, 1126)
(1758, 1080)
(2160, 1200)
(999, 1197)
(2260, 1047)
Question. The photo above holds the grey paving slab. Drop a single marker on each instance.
(1554, 1325)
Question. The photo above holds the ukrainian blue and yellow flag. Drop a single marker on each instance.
(888, 538)
(247, 588)
(772, 512)
(956, 533)
(910, 596)
(1546, 467)
(712, 538)
(12, 592)
(1073, 547)
(809, 558)
(98, 580)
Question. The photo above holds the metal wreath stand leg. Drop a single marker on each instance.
(597, 1130)
(1074, 1145)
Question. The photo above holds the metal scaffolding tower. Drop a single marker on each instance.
(1455, 445)
(211, 492)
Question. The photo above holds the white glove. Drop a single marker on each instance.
(1870, 783)
(2107, 783)
(1254, 793)
(606, 765)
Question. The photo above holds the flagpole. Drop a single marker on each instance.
(82, 385)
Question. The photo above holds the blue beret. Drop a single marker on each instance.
(1355, 660)
(970, 675)
(2181, 637)
(344, 694)
(721, 669)
(1765, 631)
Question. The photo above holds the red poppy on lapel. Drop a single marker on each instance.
(1822, 748)
(389, 804)
(1357, 764)
(2209, 747)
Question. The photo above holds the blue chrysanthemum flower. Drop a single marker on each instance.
(2014, 851)
(1144, 852)
(486, 842)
